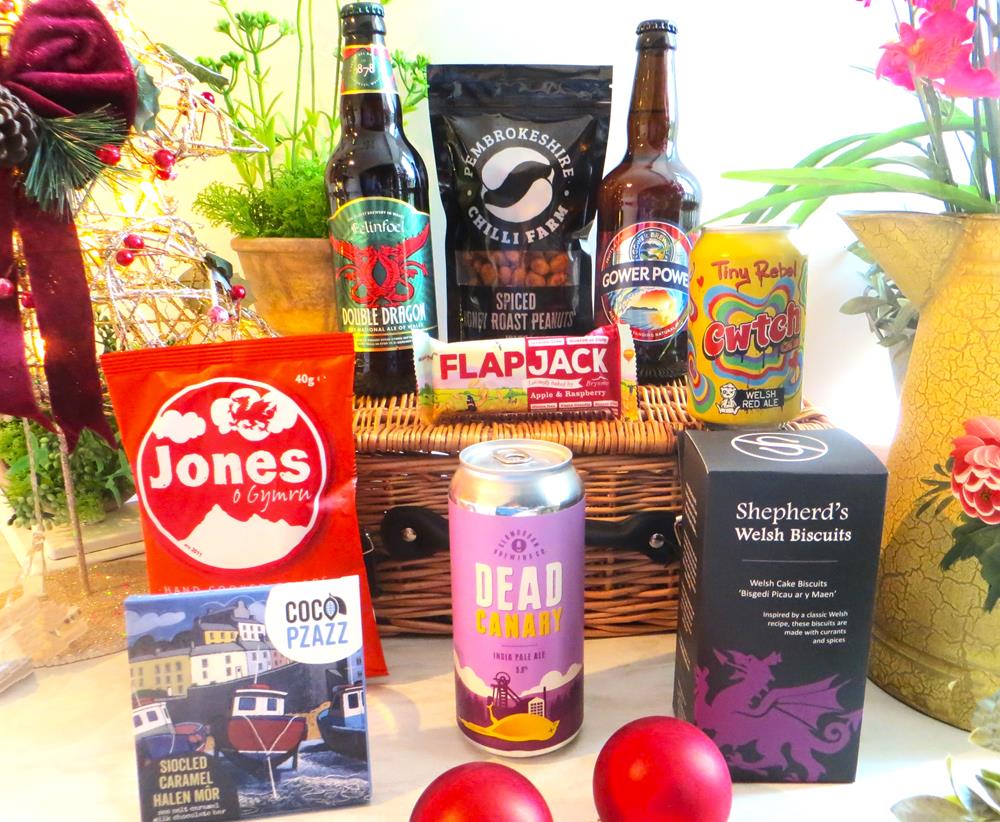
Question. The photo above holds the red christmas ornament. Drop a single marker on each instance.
(109, 155)
(207, 95)
(238, 292)
(164, 159)
(481, 792)
(27, 301)
(125, 257)
(661, 769)
(134, 241)
(217, 315)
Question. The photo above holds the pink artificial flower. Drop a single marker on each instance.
(939, 49)
(961, 6)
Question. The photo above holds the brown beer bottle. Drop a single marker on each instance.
(380, 223)
(646, 208)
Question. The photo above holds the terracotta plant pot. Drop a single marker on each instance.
(291, 281)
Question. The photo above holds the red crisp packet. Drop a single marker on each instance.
(590, 374)
(243, 457)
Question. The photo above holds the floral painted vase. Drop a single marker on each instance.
(936, 642)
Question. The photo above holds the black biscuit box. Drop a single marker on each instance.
(780, 547)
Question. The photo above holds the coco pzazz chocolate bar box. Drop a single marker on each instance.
(780, 546)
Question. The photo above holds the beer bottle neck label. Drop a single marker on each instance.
(643, 280)
(384, 274)
(367, 69)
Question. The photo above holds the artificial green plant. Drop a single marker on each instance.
(281, 192)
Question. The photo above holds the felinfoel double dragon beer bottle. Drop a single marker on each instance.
(380, 223)
(646, 209)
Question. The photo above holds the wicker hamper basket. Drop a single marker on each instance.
(627, 467)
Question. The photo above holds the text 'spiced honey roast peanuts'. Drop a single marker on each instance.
(243, 456)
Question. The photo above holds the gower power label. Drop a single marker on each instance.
(367, 68)
(384, 273)
(643, 280)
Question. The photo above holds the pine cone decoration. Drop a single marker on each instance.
(18, 130)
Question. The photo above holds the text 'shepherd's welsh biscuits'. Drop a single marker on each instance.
(780, 547)
(243, 458)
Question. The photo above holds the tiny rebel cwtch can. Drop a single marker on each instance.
(747, 326)
(516, 523)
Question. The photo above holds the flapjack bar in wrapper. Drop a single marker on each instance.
(591, 374)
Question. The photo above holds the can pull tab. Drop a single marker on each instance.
(512, 456)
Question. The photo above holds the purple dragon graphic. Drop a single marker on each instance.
(759, 728)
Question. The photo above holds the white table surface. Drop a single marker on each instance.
(67, 751)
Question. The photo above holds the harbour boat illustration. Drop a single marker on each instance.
(521, 727)
(156, 736)
(343, 724)
(259, 733)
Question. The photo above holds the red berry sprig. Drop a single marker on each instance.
(125, 257)
(7, 289)
(134, 241)
(27, 301)
(208, 97)
(109, 154)
(238, 292)
(164, 158)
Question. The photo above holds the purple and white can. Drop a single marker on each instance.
(516, 520)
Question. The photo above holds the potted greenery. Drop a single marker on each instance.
(278, 212)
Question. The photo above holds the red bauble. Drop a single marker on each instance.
(7, 288)
(125, 257)
(27, 301)
(481, 792)
(164, 159)
(238, 292)
(134, 241)
(109, 155)
(661, 769)
(207, 95)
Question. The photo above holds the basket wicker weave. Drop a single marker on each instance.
(626, 467)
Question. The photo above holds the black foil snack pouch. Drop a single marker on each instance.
(520, 155)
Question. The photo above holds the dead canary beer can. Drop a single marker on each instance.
(747, 326)
(516, 522)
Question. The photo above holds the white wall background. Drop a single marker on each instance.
(761, 84)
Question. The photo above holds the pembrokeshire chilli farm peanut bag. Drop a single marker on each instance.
(243, 457)
(520, 152)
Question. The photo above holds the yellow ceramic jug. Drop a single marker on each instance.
(936, 643)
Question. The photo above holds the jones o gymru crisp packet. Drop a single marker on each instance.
(243, 458)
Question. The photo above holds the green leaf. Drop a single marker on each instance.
(948, 500)
(788, 197)
(860, 305)
(929, 809)
(148, 98)
(851, 180)
(991, 790)
(201, 73)
(969, 544)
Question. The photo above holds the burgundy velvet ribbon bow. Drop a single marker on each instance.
(64, 59)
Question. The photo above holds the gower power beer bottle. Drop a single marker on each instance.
(645, 210)
(380, 228)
